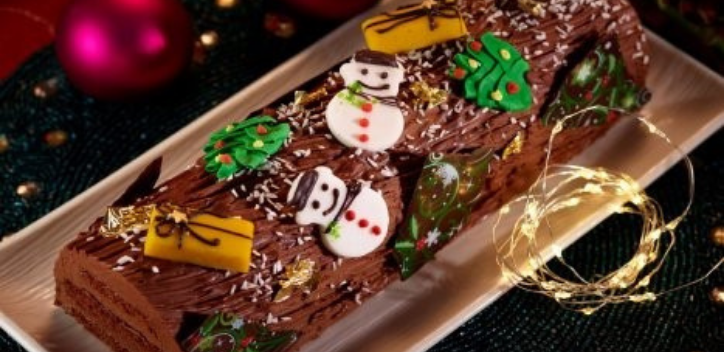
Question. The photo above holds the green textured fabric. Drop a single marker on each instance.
(105, 136)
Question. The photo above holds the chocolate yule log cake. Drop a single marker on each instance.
(298, 214)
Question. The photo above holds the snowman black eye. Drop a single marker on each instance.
(383, 75)
(364, 71)
(325, 187)
(315, 204)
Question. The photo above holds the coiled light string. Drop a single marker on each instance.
(564, 187)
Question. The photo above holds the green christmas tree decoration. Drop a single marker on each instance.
(226, 332)
(601, 81)
(244, 145)
(448, 190)
(493, 74)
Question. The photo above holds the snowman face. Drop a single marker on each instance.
(376, 80)
(318, 195)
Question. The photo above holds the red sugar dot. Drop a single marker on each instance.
(225, 158)
(458, 73)
(376, 230)
(219, 144)
(512, 87)
(363, 223)
(363, 138)
(476, 45)
(367, 107)
(349, 215)
(364, 122)
(260, 129)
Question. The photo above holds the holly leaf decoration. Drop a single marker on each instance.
(493, 74)
(226, 332)
(449, 188)
(244, 145)
(601, 82)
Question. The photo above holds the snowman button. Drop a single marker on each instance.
(363, 138)
(364, 122)
(363, 223)
(349, 215)
(376, 230)
(366, 107)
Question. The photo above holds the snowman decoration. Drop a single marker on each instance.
(365, 115)
(354, 220)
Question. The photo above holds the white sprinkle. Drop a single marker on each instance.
(117, 268)
(155, 269)
(124, 260)
(90, 238)
(233, 290)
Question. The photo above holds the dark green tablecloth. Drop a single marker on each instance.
(105, 136)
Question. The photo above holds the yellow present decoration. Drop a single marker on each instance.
(414, 27)
(200, 238)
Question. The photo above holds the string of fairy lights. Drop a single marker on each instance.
(562, 188)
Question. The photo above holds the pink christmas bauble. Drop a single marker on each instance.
(116, 49)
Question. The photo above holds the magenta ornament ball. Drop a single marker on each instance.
(118, 49)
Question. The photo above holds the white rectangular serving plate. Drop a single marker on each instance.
(688, 104)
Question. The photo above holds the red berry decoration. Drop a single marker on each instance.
(367, 107)
(364, 122)
(611, 116)
(246, 341)
(458, 73)
(476, 46)
(363, 138)
(588, 96)
(349, 215)
(605, 80)
(512, 87)
(420, 244)
(260, 129)
(363, 223)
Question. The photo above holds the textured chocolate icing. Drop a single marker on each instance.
(147, 300)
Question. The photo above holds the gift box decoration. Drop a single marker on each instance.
(181, 235)
(414, 27)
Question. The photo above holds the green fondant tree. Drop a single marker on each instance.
(493, 74)
(244, 145)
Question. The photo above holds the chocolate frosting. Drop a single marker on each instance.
(153, 296)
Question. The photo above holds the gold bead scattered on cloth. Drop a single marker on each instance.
(46, 89)
(717, 295)
(280, 25)
(55, 138)
(4, 143)
(209, 39)
(226, 4)
(717, 235)
(28, 189)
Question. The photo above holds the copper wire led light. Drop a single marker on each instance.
(562, 187)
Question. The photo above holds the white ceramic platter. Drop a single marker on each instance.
(687, 104)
